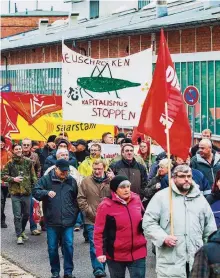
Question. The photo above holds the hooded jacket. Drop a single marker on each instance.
(207, 259)
(209, 171)
(193, 222)
(117, 231)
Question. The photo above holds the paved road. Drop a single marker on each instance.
(33, 256)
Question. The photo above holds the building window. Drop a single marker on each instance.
(94, 9)
(142, 3)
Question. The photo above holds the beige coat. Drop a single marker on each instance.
(193, 223)
(90, 195)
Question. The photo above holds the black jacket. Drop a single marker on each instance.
(61, 210)
(43, 154)
(134, 171)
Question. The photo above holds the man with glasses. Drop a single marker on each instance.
(85, 168)
(193, 222)
(58, 191)
(26, 151)
(133, 170)
(91, 192)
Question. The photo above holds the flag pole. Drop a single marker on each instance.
(169, 171)
(150, 158)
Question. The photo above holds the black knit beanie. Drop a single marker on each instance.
(114, 183)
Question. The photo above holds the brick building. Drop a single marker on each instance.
(32, 61)
(20, 22)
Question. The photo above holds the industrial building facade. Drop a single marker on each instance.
(195, 47)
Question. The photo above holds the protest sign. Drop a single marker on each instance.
(105, 91)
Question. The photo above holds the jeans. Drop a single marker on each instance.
(21, 210)
(95, 263)
(79, 220)
(53, 236)
(33, 225)
(137, 269)
(4, 193)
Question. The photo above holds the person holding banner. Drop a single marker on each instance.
(193, 222)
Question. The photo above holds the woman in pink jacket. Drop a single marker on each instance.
(118, 233)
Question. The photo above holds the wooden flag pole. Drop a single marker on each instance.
(150, 158)
(169, 171)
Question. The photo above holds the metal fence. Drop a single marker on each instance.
(205, 75)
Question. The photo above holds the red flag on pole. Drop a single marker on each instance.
(165, 88)
(32, 106)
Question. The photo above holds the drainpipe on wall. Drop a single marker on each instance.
(6, 67)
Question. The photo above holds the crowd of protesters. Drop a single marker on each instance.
(119, 203)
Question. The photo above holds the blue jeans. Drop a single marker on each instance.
(137, 269)
(95, 263)
(33, 225)
(53, 236)
(79, 220)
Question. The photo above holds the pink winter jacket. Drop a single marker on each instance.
(118, 233)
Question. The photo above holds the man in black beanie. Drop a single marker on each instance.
(46, 151)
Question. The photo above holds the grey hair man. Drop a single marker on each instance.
(193, 222)
(64, 154)
(206, 134)
(206, 161)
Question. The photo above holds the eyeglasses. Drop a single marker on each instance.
(26, 145)
(184, 176)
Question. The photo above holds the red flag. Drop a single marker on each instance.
(135, 135)
(165, 88)
(8, 122)
(32, 106)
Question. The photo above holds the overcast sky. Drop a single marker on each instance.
(58, 5)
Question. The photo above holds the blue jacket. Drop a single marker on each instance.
(214, 201)
(62, 210)
(198, 178)
(51, 160)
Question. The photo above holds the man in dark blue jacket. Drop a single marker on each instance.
(61, 143)
(58, 191)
